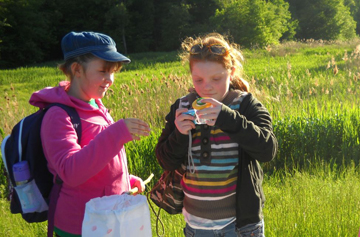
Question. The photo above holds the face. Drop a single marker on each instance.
(93, 80)
(211, 79)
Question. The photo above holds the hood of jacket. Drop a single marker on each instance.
(49, 95)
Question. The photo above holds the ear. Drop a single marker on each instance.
(232, 72)
(76, 69)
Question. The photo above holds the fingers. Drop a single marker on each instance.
(211, 101)
(137, 128)
(184, 122)
(209, 113)
(214, 109)
(139, 187)
(184, 128)
(210, 122)
(180, 111)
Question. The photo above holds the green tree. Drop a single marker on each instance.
(172, 31)
(254, 22)
(27, 35)
(90, 15)
(140, 29)
(323, 19)
(286, 30)
(201, 12)
(354, 7)
(3, 23)
(176, 19)
(36, 27)
(117, 20)
(357, 17)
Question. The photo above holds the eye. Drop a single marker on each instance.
(197, 79)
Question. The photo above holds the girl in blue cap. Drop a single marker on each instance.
(223, 181)
(97, 166)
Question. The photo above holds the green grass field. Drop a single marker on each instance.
(312, 91)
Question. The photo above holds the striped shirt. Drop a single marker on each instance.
(210, 198)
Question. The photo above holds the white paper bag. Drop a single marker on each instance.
(117, 216)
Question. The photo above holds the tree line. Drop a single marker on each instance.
(31, 30)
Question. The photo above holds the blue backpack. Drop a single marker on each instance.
(24, 144)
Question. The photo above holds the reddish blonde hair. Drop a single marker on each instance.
(231, 59)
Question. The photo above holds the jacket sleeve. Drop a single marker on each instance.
(73, 163)
(251, 127)
(172, 146)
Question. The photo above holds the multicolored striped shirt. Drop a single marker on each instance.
(210, 198)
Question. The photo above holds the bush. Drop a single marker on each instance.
(255, 21)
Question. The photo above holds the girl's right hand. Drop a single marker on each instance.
(137, 128)
(184, 122)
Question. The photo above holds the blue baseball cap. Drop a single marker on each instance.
(102, 46)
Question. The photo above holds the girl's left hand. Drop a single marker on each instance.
(210, 114)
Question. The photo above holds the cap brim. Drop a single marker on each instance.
(111, 56)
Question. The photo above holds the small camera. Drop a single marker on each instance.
(197, 120)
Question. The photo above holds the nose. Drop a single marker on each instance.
(109, 78)
(207, 85)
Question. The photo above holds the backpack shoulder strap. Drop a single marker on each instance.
(74, 116)
(55, 191)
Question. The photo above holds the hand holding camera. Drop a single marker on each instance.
(198, 105)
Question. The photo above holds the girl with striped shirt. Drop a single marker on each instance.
(223, 180)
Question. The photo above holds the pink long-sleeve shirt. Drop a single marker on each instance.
(96, 167)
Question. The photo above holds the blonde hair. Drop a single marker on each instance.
(231, 59)
(83, 60)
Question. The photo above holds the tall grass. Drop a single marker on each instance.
(312, 92)
(332, 134)
(323, 201)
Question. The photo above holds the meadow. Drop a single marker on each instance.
(312, 90)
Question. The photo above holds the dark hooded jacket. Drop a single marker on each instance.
(251, 127)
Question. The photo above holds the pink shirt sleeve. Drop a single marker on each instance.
(74, 164)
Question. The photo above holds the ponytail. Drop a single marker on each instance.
(239, 83)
